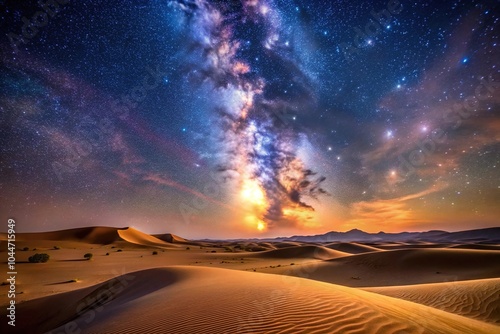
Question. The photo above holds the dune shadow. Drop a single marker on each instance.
(64, 282)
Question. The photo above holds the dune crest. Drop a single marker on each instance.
(167, 300)
(407, 267)
(352, 247)
(137, 237)
(91, 235)
(477, 299)
(307, 251)
(101, 235)
(171, 238)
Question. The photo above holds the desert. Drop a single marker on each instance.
(135, 282)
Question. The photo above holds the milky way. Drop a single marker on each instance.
(255, 120)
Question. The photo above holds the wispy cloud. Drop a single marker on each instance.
(393, 213)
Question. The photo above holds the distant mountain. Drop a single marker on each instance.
(486, 235)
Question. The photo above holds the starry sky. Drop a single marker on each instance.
(251, 118)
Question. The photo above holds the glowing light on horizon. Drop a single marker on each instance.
(254, 223)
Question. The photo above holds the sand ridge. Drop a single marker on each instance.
(137, 237)
(97, 235)
(406, 267)
(208, 300)
(92, 235)
(477, 299)
(352, 247)
(307, 251)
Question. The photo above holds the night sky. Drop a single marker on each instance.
(250, 118)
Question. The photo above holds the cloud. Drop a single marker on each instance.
(393, 213)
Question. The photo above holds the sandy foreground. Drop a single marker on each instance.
(138, 283)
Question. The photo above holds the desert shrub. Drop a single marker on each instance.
(155, 253)
(37, 258)
(26, 249)
(57, 247)
(88, 256)
(119, 250)
(107, 254)
(213, 251)
(187, 248)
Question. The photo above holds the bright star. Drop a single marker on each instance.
(264, 9)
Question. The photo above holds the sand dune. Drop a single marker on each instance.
(172, 238)
(91, 235)
(303, 252)
(139, 238)
(285, 244)
(478, 299)
(352, 247)
(268, 245)
(98, 235)
(254, 246)
(403, 267)
(205, 300)
(477, 246)
(413, 245)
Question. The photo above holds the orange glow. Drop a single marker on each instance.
(251, 192)
(302, 216)
(252, 223)
(261, 226)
